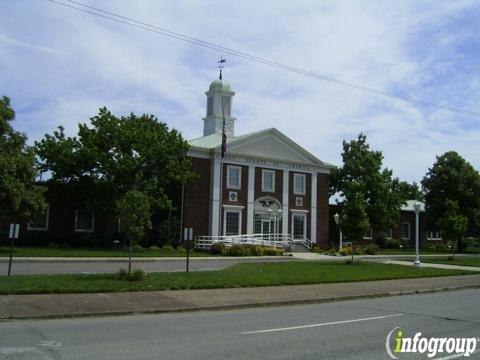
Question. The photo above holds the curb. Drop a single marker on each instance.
(137, 260)
(241, 306)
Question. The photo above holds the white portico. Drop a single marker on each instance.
(270, 184)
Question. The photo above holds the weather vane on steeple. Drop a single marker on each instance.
(221, 63)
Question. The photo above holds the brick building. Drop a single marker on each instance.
(269, 184)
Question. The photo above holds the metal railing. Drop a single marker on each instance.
(277, 241)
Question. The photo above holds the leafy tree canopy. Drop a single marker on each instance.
(134, 213)
(20, 197)
(452, 186)
(411, 191)
(114, 155)
(362, 178)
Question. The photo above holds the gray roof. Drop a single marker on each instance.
(214, 141)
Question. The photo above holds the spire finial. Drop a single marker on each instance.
(220, 65)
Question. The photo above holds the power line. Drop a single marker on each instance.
(175, 35)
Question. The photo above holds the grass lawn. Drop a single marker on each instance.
(464, 261)
(92, 252)
(239, 275)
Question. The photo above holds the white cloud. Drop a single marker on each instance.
(404, 47)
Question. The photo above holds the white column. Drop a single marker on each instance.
(250, 198)
(285, 214)
(313, 212)
(215, 200)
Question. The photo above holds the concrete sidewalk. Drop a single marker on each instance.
(67, 305)
(435, 266)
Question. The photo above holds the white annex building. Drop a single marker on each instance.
(266, 186)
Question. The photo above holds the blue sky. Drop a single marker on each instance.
(59, 66)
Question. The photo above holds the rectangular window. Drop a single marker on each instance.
(299, 184)
(406, 231)
(40, 222)
(210, 105)
(234, 174)
(388, 233)
(84, 220)
(434, 235)
(368, 235)
(226, 105)
(232, 221)
(268, 180)
(299, 225)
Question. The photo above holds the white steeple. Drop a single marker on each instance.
(219, 102)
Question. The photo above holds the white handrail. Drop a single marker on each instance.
(284, 241)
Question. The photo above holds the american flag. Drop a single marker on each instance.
(224, 136)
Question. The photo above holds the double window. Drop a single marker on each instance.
(268, 180)
(40, 222)
(234, 177)
(388, 233)
(299, 225)
(84, 220)
(434, 235)
(299, 184)
(368, 234)
(232, 222)
(406, 231)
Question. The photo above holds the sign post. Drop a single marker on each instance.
(13, 234)
(187, 237)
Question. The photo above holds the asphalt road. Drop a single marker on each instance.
(87, 267)
(342, 330)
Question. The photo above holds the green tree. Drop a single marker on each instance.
(134, 213)
(452, 190)
(20, 197)
(354, 218)
(411, 191)
(452, 223)
(362, 177)
(115, 155)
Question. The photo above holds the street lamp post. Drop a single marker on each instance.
(336, 217)
(416, 208)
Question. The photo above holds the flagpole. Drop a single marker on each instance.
(220, 200)
(222, 155)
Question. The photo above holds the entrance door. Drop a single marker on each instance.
(265, 229)
(299, 226)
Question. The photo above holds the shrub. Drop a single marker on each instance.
(135, 275)
(53, 245)
(430, 247)
(331, 252)
(257, 250)
(218, 249)
(392, 244)
(137, 247)
(442, 247)
(167, 247)
(347, 250)
(154, 247)
(181, 248)
(239, 250)
(270, 251)
(372, 249)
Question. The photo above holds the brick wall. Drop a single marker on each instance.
(197, 198)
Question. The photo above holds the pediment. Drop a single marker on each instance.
(272, 145)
